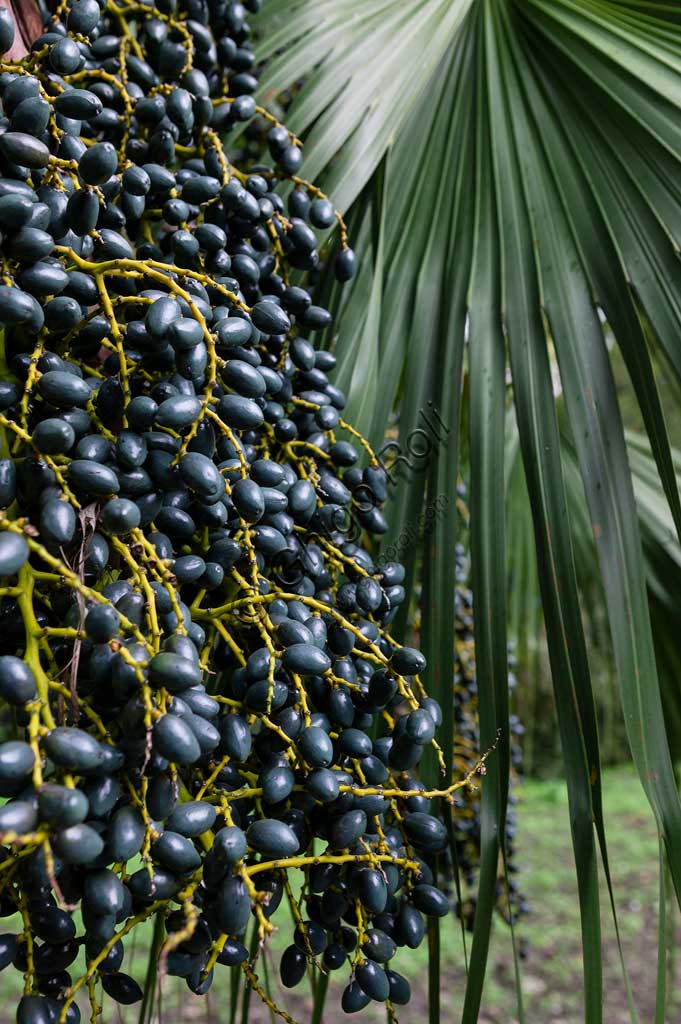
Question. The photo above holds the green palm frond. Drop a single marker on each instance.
(662, 557)
(530, 192)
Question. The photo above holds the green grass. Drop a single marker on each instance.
(548, 937)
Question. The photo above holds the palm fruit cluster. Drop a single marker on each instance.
(199, 688)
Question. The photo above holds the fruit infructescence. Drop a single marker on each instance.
(184, 724)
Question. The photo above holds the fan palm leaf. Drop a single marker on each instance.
(530, 191)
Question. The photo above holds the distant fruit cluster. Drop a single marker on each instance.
(467, 824)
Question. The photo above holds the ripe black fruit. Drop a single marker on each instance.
(125, 834)
(426, 831)
(192, 818)
(354, 998)
(103, 892)
(230, 845)
(373, 981)
(199, 660)
(176, 853)
(16, 761)
(174, 739)
(174, 672)
(347, 829)
(429, 900)
(314, 744)
(24, 149)
(79, 844)
(17, 682)
(73, 749)
(272, 838)
(122, 988)
(13, 553)
(6, 30)
(18, 816)
(372, 890)
(233, 906)
(98, 163)
(62, 805)
(292, 967)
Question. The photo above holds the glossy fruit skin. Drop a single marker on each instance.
(161, 885)
(63, 389)
(426, 831)
(272, 838)
(355, 743)
(62, 805)
(102, 622)
(277, 783)
(192, 819)
(6, 30)
(378, 946)
(233, 908)
(347, 829)
(372, 890)
(400, 989)
(411, 926)
(315, 746)
(122, 988)
(54, 436)
(103, 892)
(120, 516)
(197, 685)
(270, 318)
(430, 901)
(18, 816)
(8, 482)
(292, 967)
(408, 661)
(16, 306)
(373, 981)
(92, 478)
(233, 953)
(33, 1010)
(125, 834)
(16, 760)
(174, 672)
(176, 741)
(73, 749)
(57, 522)
(78, 844)
(83, 16)
(14, 553)
(323, 785)
(230, 845)
(52, 924)
(421, 726)
(354, 998)
(80, 104)
(176, 853)
(24, 149)
(98, 163)
(306, 659)
(310, 938)
(8, 949)
(17, 681)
